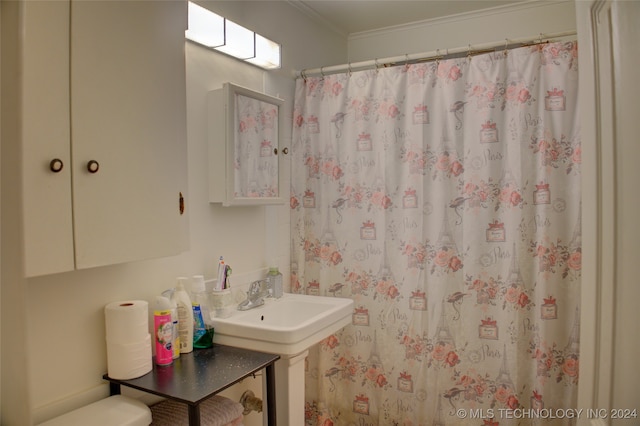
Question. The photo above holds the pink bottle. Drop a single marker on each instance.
(163, 331)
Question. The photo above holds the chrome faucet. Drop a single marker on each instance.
(258, 290)
(255, 297)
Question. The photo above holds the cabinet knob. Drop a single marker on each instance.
(93, 166)
(56, 165)
(285, 150)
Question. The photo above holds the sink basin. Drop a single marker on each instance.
(285, 326)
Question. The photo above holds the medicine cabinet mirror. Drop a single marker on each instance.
(245, 156)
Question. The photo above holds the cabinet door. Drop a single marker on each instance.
(245, 151)
(128, 119)
(48, 232)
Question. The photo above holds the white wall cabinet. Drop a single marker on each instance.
(246, 154)
(104, 98)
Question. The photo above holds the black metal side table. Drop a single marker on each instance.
(198, 375)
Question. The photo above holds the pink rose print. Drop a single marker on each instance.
(515, 198)
(555, 153)
(452, 359)
(454, 73)
(336, 172)
(393, 292)
(442, 258)
(512, 295)
(577, 155)
(512, 402)
(456, 168)
(293, 203)
(502, 394)
(443, 163)
(336, 88)
(575, 260)
(455, 263)
(393, 111)
(570, 367)
(524, 96)
(523, 300)
(440, 352)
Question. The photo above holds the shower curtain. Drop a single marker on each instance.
(444, 199)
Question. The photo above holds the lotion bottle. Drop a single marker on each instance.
(185, 316)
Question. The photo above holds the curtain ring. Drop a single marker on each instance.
(322, 72)
(438, 56)
(375, 61)
(406, 61)
(303, 75)
(349, 69)
(506, 46)
(540, 39)
(469, 53)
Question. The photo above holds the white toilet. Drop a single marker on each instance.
(117, 410)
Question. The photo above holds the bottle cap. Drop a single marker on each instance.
(197, 285)
(273, 269)
(181, 281)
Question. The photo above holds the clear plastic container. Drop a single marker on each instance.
(185, 316)
(222, 304)
(275, 282)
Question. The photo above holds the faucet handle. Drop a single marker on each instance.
(255, 287)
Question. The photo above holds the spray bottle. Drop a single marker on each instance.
(174, 319)
(200, 304)
(163, 331)
(185, 316)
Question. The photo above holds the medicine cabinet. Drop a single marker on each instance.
(245, 154)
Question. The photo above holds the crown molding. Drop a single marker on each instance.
(527, 4)
(315, 16)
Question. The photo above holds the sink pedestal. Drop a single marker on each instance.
(290, 393)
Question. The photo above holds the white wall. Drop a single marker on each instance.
(490, 25)
(64, 354)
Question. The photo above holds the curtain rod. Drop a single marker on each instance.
(433, 55)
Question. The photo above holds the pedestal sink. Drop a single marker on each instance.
(288, 326)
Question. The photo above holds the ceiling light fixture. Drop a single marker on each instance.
(216, 32)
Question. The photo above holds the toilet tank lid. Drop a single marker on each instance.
(116, 410)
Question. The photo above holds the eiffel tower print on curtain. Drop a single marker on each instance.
(443, 334)
(504, 377)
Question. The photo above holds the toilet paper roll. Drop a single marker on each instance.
(127, 321)
(129, 360)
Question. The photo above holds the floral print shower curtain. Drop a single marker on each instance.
(444, 199)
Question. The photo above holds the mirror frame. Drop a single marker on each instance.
(230, 92)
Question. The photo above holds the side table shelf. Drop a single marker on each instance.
(198, 375)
